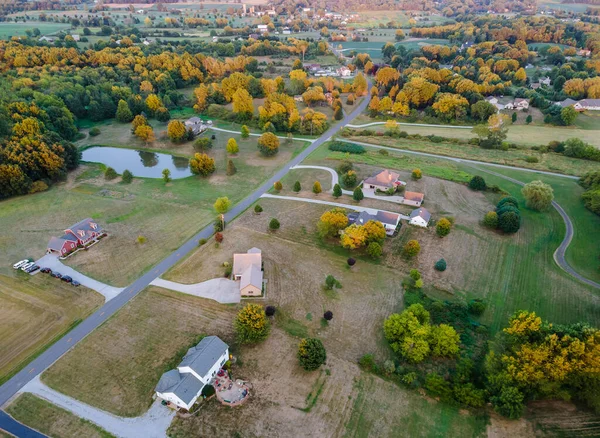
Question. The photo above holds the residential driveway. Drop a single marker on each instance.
(222, 290)
(51, 261)
(334, 176)
(372, 211)
(153, 424)
(370, 193)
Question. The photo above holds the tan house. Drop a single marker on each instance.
(413, 198)
(383, 180)
(247, 269)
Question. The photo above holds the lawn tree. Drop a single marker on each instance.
(277, 185)
(317, 188)
(538, 195)
(351, 262)
(110, 173)
(568, 115)
(163, 115)
(274, 224)
(176, 131)
(258, 209)
(242, 104)
(509, 222)
(297, 187)
(270, 310)
(440, 265)
(529, 119)
(328, 315)
(144, 132)
(414, 274)
(411, 248)
(311, 353)
(349, 178)
(513, 117)
(202, 164)
(331, 282)
(251, 324)
(374, 250)
(268, 144)
(358, 194)
(245, 132)
(482, 110)
(416, 174)
(222, 205)
(166, 173)
(123, 114)
(354, 236)
(477, 183)
(232, 146)
(337, 191)
(332, 222)
(202, 144)
(442, 228)
(231, 169)
(375, 232)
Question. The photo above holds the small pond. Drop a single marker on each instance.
(141, 163)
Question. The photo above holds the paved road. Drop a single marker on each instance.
(52, 354)
(559, 254)
(457, 160)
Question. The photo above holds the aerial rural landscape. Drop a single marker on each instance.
(299, 218)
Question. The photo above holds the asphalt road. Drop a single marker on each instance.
(52, 354)
(559, 254)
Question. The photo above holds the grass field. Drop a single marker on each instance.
(513, 157)
(8, 30)
(34, 312)
(52, 420)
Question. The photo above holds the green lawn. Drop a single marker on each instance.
(513, 157)
(52, 420)
(18, 29)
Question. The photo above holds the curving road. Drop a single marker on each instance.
(63, 345)
(426, 125)
(559, 254)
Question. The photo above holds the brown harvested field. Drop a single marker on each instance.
(117, 367)
(51, 420)
(35, 310)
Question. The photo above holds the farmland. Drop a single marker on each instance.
(8, 30)
(35, 311)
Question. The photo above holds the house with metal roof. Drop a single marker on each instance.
(388, 219)
(247, 269)
(420, 217)
(183, 385)
(79, 234)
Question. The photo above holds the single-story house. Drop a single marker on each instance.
(247, 269)
(567, 102)
(262, 28)
(81, 233)
(494, 101)
(389, 220)
(584, 52)
(344, 72)
(545, 81)
(519, 104)
(420, 217)
(383, 180)
(75, 37)
(183, 385)
(196, 125)
(413, 198)
(587, 104)
(47, 39)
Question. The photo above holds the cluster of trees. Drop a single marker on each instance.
(507, 216)
(591, 197)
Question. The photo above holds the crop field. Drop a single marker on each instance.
(52, 420)
(513, 157)
(35, 311)
(8, 30)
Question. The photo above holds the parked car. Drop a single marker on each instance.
(21, 263)
(56, 275)
(46, 270)
(26, 266)
(67, 279)
(32, 269)
(75, 283)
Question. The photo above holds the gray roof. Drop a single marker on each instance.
(87, 227)
(589, 102)
(185, 386)
(422, 212)
(203, 356)
(193, 120)
(57, 243)
(168, 380)
(567, 102)
(382, 216)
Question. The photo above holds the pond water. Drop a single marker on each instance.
(141, 163)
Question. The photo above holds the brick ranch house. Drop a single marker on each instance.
(80, 234)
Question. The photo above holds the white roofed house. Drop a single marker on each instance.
(247, 269)
(420, 217)
(183, 385)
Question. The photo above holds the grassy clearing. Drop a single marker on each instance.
(52, 420)
(513, 157)
(8, 30)
(117, 367)
(35, 311)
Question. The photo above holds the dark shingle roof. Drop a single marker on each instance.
(203, 356)
(422, 212)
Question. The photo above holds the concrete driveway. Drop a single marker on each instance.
(51, 261)
(153, 424)
(222, 290)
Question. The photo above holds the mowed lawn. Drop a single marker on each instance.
(117, 367)
(52, 420)
(511, 272)
(513, 157)
(18, 29)
(34, 312)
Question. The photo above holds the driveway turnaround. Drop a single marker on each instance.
(335, 179)
(59, 348)
(51, 261)
(222, 290)
(372, 211)
(214, 128)
(153, 424)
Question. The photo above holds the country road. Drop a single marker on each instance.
(63, 345)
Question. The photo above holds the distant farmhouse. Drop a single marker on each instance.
(582, 105)
(420, 217)
(183, 385)
(80, 234)
(389, 220)
(197, 125)
(247, 268)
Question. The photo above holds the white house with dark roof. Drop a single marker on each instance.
(247, 269)
(389, 220)
(587, 105)
(420, 217)
(183, 385)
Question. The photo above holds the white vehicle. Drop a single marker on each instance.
(27, 266)
(21, 263)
